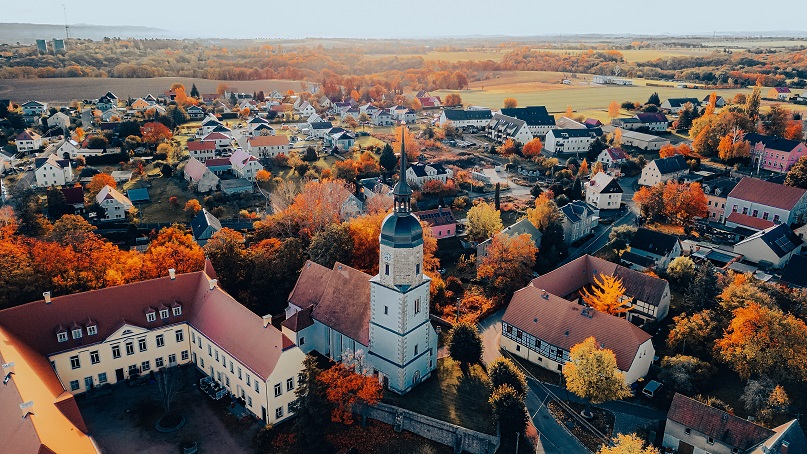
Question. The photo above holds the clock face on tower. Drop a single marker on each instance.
(387, 257)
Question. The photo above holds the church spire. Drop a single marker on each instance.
(402, 191)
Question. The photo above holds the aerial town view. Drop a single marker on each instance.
(371, 228)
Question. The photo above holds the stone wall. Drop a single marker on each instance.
(459, 438)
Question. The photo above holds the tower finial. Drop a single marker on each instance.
(402, 191)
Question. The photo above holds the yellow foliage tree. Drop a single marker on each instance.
(606, 295)
(484, 221)
(613, 109)
(510, 103)
(546, 211)
(627, 444)
(592, 374)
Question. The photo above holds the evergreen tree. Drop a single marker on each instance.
(594, 150)
(497, 197)
(702, 291)
(465, 345)
(511, 414)
(654, 100)
(576, 190)
(388, 160)
(502, 371)
(194, 91)
(57, 204)
(311, 408)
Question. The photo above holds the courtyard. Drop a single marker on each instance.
(122, 420)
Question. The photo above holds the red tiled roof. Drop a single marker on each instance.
(767, 193)
(300, 320)
(713, 422)
(214, 136)
(562, 324)
(749, 221)
(340, 296)
(202, 145)
(217, 162)
(617, 153)
(74, 195)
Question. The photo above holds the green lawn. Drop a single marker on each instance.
(449, 396)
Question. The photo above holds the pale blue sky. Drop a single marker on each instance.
(418, 18)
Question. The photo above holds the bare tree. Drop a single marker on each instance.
(169, 386)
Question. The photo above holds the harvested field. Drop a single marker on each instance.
(67, 89)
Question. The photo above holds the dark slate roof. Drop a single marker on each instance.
(672, 164)
(651, 117)
(795, 272)
(566, 133)
(438, 216)
(532, 115)
(780, 239)
(679, 102)
(637, 259)
(74, 195)
(576, 210)
(771, 142)
(724, 185)
(653, 242)
(321, 125)
(464, 115)
(420, 168)
(138, 195)
(713, 422)
(202, 221)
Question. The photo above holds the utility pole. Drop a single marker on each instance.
(66, 27)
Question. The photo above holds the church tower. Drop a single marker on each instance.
(403, 344)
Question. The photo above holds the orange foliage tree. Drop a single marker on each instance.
(569, 112)
(98, 181)
(683, 202)
(533, 148)
(510, 103)
(671, 150)
(793, 130)
(508, 263)
(193, 207)
(364, 231)
(155, 132)
(606, 295)
(412, 147)
(508, 148)
(452, 99)
(613, 109)
(346, 389)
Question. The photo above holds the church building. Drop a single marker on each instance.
(384, 318)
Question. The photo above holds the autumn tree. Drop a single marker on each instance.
(484, 221)
(173, 247)
(510, 103)
(733, 146)
(310, 407)
(193, 207)
(227, 253)
(584, 169)
(763, 340)
(533, 148)
(508, 148)
(776, 120)
(592, 374)
(412, 148)
(465, 345)
(502, 371)
(331, 245)
(452, 100)
(346, 390)
(627, 444)
(681, 270)
(510, 412)
(753, 102)
(98, 181)
(702, 290)
(613, 109)
(154, 133)
(683, 202)
(350, 122)
(569, 112)
(508, 263)
(693, 330)
(672, 150)
(365, 232)
(596, 168)
(794, 130)
(685, 373)
(545, 212)
(797, 176)
(606, 295)
(650, 200)
(274, 267)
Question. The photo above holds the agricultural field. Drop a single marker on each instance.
(66, 89)
(544, 88)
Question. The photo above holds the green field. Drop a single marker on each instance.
(532, 88)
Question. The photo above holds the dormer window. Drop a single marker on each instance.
(151, 316)
(92, 330)
(61, 336)
(177, 310)
(77, 333)
(163, 314)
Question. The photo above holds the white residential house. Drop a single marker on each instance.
(603, 192)
(420, 173)
(268, 146)
(464, 119)
(663, 169)
(244, 165)
(200, 176)
(67, 149)
(34, 108)
(773, 246)
(611, 157)
(61, 120)
(28, 141)
(675, 105)
(503, 128)
(382, 118)
(537, 118)
(305, 110)
(201, 150)
(320, 129)
(579, 219)
(255, 122)
(767, 201)
(52, 171)
(568, 141)
(115, 204)
(221, 140)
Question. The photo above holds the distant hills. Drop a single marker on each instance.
(11, 33)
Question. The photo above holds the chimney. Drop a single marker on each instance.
(46, 295)
(784, 448)
(212, 283)
(172, 273)
(267, 319)
(27, 408)
(8, 370)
